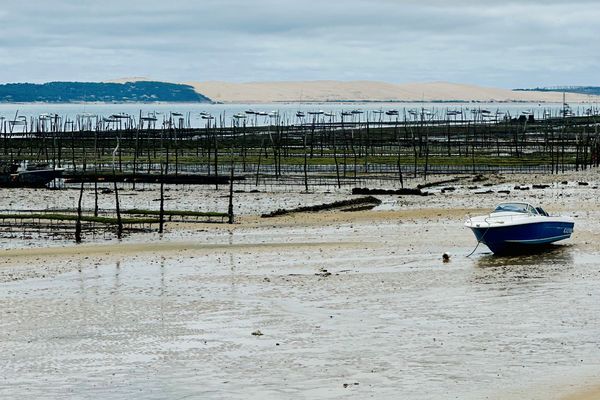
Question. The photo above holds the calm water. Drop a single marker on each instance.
(287, 111)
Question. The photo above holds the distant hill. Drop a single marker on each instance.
(589, 90)
(75, 92)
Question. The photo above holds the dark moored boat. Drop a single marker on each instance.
(35, 176)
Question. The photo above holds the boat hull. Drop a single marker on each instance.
(30, 179)
(520, 238)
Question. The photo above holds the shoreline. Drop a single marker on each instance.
(298, 102)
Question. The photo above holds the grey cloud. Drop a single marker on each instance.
(507, 44)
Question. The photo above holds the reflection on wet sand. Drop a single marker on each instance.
(492, 269)
(551, 254)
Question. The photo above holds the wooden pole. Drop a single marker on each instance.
(230, 208)
(78, 222)
(116, 189)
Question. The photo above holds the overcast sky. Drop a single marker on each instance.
(493, 43)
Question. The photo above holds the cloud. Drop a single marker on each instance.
(506, 44)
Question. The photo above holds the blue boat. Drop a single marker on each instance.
(519, 227)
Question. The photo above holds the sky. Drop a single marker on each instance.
(507, 44)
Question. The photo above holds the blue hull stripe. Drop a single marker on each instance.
(540, 241)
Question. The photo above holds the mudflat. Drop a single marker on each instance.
(316, 305)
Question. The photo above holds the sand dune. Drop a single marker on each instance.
(324, 91)
(129, 79)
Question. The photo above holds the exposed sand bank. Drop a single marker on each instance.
(588, 394)
(112, 251)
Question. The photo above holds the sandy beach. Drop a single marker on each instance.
(316, 305)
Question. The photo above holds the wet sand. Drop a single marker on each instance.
(589, 394)
(349, 305)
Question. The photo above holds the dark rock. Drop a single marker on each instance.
(437, 183)
(359, 202)
(323, 272)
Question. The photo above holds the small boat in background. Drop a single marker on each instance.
(34, 176)
(120, 116)
(519, 227)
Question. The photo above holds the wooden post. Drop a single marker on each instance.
(230, 208)
(135, 151)
(216, 161)
(163, 173)
(119, 223)
(73, 160)
(96, 172)
(262, 142)
(335, 159)
(78, 222)
(398, 159)
(161, 214)
(305, 164)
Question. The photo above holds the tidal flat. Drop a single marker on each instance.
(325, 305)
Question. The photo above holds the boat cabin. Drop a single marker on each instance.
(524, 208)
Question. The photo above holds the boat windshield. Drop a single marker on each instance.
(516, 207)
(541, 211)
